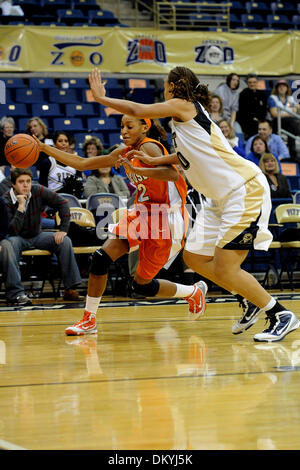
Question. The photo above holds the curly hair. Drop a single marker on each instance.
(188, 87)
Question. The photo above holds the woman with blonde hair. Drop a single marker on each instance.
(35, 126)
(235, 142)
(278, 182)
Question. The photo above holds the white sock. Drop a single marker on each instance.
(92, 304)
(269, 305)
(183, 291)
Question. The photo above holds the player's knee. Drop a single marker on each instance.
(100, 263)
(146, 290)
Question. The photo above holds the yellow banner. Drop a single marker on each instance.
(124, 50)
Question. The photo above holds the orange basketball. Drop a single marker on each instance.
(21, 150)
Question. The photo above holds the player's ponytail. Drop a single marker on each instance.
(156, 131)
(188, 87)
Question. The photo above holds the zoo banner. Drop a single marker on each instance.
(125, 50)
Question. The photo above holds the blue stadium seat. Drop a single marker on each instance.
(83, 110)
(142, 95)
(279, 22)
(30, 95)
(43, 18)
(68, 124)
(253, 20)
(111, 83)
(13, 82)
(285, 8)
(46, 110)
(85, 5)
(234, 21)
(257, 7)
(114, 138)
(14, 110)
(103, 124)
(73, 83)
(296, 21)
(42, 82)
(102, 17)
(71, 16)
(58, 95)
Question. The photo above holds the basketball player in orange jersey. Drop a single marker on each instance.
(238, 204)
(156, 223)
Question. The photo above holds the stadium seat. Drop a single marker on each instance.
(42, 82)
(114, 138)
(72, 200)
(30, 95)
(279, 22)
(13, 82)
(142, 95)
(73, 83)
(234, 21)
(85, 5)
(46, 110)
(83, 110)
(257, 7)
(252, 20)
(71, 16)
(58, 95)
(46, 18)
(68, 124)
(102, 17)
(15, 110)
(285, 8)
(296, 21)
(102, 124)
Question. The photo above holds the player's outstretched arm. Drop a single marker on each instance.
(79, 163)
(170, 159)
(162, 173)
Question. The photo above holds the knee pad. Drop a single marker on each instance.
(100, 263)
(147, 290)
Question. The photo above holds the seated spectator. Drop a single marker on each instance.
(230, 96)
(216, 111)
(58, 172)
(235, 142)
(281, 96)
(7, 130)
(275, 143)
(258, 148)
(25, 203)
(14, 290)
(104, 180)
(279, 185)
(252, 107)
(92, 147)
(37, 127)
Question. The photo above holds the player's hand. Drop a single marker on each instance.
(127, 165)
(96, 84)
(141, 156)
(42, 146)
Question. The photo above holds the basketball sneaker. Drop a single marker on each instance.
(251, 314)
(197, 303)
(281, 324)
(86, 326)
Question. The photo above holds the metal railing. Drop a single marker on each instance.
(282, 131)
(192, 16)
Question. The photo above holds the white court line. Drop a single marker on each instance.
(4, 445)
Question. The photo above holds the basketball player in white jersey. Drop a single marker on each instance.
(236, 212)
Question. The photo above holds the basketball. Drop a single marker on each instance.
(21, 151)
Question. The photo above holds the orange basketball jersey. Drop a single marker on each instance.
(149, 190)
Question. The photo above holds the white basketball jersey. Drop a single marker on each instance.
(57, 174)
(210, 164)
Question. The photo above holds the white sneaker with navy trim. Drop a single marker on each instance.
(281, 324)
(251, 314)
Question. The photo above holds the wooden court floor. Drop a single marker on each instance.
(150, 379)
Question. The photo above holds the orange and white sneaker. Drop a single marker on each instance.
(197, 302)
(86, 326)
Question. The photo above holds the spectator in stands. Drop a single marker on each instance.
(15, 293)
(57, 172)
(7, 130)
(92, 147)
(258, 148)
(275, 143)
(216, 111)
(25, 203)
(279, 185)
(235, 142)
(281, 97)
(252, 107)
(230, 96)
(104, 180)
(36, 126)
